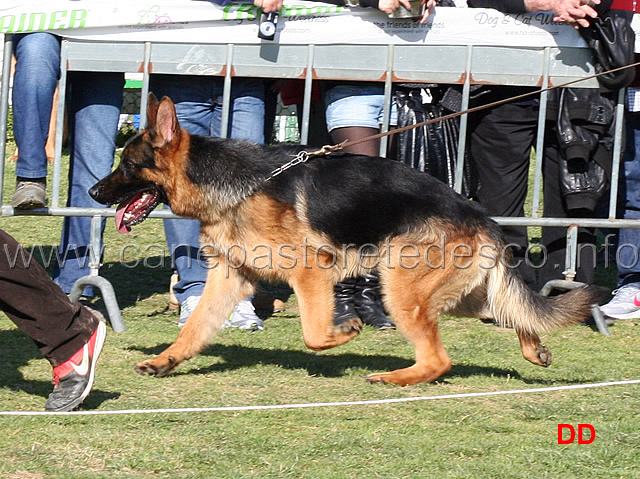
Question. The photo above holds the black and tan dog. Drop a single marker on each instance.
(318, 222)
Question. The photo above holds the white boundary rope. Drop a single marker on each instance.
(320, 404)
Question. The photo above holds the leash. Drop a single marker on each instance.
(305, 156)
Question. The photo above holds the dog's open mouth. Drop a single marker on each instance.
(135, 210)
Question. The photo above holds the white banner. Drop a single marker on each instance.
(448, 26)
(58, 15)
(301, 22)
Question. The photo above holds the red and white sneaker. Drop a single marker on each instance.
(73, 379)
(625, 303)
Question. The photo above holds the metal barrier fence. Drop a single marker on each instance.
(455, 64)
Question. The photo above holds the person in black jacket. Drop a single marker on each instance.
(574, 172)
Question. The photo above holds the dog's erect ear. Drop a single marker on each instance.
(152, 110)
(167, 126)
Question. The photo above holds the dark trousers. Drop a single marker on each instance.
(39, 307)
(501, 139)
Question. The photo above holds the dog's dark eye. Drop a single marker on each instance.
(127, 163)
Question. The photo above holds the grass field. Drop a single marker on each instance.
(506, 436)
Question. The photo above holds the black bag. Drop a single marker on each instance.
(612, 41)
(431, 148)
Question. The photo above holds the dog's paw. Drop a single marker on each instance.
(386, 378)
(350, 326)
(544, 355)
(156, 367)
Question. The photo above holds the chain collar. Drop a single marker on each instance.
(303, 157)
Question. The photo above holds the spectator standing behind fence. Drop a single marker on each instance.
(501, 139)
(198, 101)
(94, 104)
(36, 74)
(625, 303)
(354, 111)
(67, 334)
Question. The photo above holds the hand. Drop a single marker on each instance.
(429, 9)
(574, 12)
(390, 6)
(269, 6)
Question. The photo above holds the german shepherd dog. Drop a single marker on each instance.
(316, 223)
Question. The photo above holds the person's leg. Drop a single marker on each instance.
(626, 299)
(353, 133)
(628, 256)
(246, 122)
(36, 75)
(67, 334)
(183, 241)
(38, 307)
(247, 112)
(94, 110)
(192, 97)
(354, 112)
(500, 145)
(198, 102)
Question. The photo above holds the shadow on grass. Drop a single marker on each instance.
(17, 350)
(133, 282)
(329, 365)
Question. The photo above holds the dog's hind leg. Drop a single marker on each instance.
(223, 290)
(532, 350)
(314, 289)
(415, 299)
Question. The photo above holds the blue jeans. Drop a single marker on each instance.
(629, 238)
(95, 101)
(198, 101)
(37, 72)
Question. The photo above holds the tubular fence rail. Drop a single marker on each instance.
(455, 64)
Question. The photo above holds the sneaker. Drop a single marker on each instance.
(73, 379)
(244, 317)
(187, 307)
(29, 195)
(625, 303)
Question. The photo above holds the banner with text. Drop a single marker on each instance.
(302, 22)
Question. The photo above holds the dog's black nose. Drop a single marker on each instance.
(94, 192)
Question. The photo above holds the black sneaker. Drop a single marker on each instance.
(73, 379)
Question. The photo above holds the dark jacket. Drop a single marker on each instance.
(584, 127)
(584, 130)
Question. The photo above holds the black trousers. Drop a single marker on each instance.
(501, 139)
(39, 307)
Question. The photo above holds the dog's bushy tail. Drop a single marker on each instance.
(514, 304)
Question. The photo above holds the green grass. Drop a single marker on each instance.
(511, 436)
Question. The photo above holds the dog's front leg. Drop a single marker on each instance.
(314, 290)
(222, 291)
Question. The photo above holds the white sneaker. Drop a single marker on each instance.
(244, 317)
(625, 303)
(187, 307)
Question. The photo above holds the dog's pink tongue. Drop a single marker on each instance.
(120, 226)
